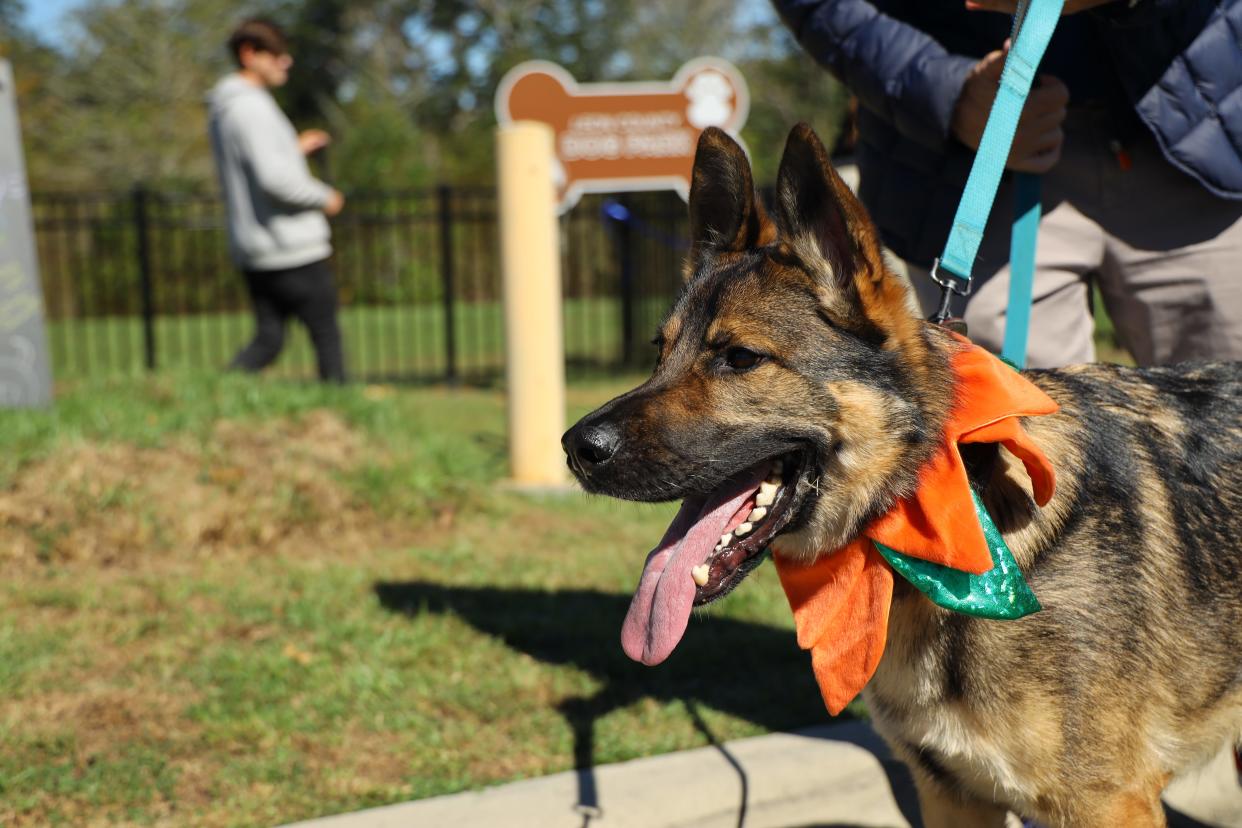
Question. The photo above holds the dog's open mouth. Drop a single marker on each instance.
(712, 544)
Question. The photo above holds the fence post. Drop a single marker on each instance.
(445, 194)
(140, 204)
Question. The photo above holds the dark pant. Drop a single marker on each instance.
(307, 292)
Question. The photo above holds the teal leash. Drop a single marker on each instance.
(1000, 593)
(1027, 210)
(1034, 23)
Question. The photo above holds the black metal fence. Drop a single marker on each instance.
(141, 281)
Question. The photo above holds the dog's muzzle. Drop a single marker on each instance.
(589, 445)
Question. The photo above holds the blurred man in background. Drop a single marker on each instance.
(277, 211)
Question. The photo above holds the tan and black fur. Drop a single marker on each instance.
(793, 334)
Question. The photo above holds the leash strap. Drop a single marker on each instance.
(1033, 25)
(1026, 212)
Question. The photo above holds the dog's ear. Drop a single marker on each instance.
(817, 210)
(815, 205)
(725, 215)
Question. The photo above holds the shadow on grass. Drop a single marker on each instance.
(745, 669)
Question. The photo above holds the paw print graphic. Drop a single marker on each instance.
(711, 100)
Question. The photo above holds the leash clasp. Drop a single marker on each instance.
(949, 286)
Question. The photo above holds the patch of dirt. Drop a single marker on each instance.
(361, 764)
(253, 488)
(103, 718)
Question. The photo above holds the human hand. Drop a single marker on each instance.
(1011, 6)
(336, 202)
(313, 140)
(1037, 142)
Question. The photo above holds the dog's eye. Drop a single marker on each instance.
(742, 359)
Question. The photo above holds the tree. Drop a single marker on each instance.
(123, 100)
(405, 86)
(34, 71)
(787, 87)
(319, 33)
(442, 61)
(11, 12)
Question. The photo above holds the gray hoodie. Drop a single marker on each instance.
(274, 204)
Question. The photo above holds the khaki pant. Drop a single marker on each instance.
(1166, 254)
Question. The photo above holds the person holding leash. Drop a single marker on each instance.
(1131, 124)
(277, 211)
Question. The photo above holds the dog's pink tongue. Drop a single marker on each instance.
(661, 607)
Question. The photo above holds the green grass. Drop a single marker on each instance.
(366, 618)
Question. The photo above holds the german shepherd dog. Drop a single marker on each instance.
(792, 371)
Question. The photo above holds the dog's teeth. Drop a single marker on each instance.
(757, 514)
(699, 574)
(767, 494)
(726, 539)
(743, 529)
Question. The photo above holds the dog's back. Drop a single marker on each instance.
(1133, 671)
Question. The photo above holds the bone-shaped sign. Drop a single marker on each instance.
(613, 137)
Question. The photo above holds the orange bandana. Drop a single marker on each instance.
(841, 601)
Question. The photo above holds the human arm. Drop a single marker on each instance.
(928, 94)
(336, 203)
(897, 71)
(311, 141)
(1036, 146)
(274, 156)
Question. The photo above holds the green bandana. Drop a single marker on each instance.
(1000, 593)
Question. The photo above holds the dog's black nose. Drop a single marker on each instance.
(591, 444)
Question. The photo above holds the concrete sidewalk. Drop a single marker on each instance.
(836, 776)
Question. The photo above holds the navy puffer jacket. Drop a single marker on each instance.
(1179, 63)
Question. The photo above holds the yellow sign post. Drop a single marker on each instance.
(531, 268)
(558, 139)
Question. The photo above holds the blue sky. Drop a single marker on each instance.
(46, 16)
